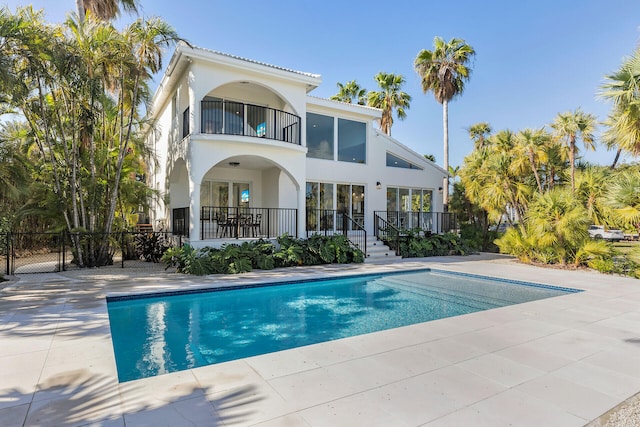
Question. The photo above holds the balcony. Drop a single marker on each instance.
(235, 118)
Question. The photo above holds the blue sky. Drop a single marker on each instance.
(534, 58)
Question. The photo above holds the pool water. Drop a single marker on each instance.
(159, 334)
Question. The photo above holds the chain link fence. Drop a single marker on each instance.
(22, 253)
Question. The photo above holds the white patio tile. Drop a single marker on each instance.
(293, 420)
(605, 380)
(453, 349)
(313, 387)
(414, 360)
(581, 401)
(197, 411)
(530, 354)
(157, 391)
(281, 363)
(226, 376)
(574, 343)
(13, 416)
(251, 404)
(510, 408)
(362, 409)
(624, 361)
(500, 369)
(325, 354)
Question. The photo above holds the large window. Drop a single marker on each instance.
(396, 162)
(352, 141)
(319, 136)
(409, 207)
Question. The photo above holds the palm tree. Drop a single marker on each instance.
(444, 71)
(104, 10)
(390, 97)
(571, 126)
(530, 143)
(350, 92)
(623, 88)
(624, 197)
(479, 133)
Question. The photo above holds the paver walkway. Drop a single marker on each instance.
(555, 362)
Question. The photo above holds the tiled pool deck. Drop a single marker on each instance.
(556, 362)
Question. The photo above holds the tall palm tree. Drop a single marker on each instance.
(390, 97)
(571, 126)
(350, 92)
(444, 71)
(104, 10)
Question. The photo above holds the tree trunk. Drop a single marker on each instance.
(615, 161)
(534, 168)
(445, 126)
(80, 10)
(572, 160)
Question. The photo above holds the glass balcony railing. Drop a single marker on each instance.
(236, 118)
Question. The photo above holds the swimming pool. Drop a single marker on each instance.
(157, 334)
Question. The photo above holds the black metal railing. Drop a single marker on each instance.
(428, 222)
(329, 222)
(236, 118)
(217, 222)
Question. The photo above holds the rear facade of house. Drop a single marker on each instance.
(245, 152)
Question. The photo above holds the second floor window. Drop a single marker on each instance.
(185, 122)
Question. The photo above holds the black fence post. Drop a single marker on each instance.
(122, 249)
(64, 251)
(8, 244)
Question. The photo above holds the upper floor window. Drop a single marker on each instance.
(319, 136)
(352, 141)
(396, 162)
(185, 122)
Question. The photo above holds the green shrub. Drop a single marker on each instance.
(415, 245)
(261, 254)
(151, 247)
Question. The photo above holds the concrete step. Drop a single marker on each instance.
(379, 252)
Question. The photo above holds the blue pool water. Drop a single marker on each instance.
(159, 334)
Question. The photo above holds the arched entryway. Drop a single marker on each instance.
(248, 196)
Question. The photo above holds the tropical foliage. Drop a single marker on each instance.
(262, 254)
(350, 92)
(79, 88)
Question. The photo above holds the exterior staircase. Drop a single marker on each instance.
(379, 252)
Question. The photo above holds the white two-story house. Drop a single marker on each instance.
(245, 152)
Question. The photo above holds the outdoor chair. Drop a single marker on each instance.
(255, 225)
(227, 225)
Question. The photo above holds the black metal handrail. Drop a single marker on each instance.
(236, 118)
(222, 222)
(330, 221)
(387, 232)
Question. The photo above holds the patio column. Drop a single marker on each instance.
(302, 207)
